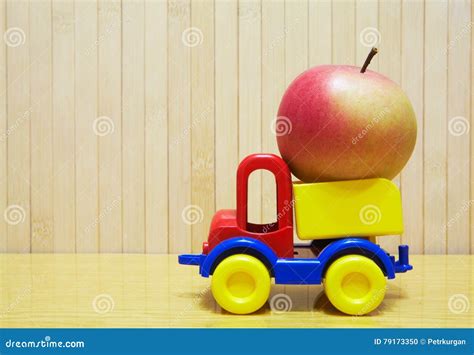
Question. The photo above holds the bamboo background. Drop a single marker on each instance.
(122, 122)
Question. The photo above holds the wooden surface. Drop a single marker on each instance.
(182, 89)
(71, 290)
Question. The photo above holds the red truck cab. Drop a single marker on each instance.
(234, 223)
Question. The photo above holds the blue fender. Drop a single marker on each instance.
(243, 245)
(356, 246)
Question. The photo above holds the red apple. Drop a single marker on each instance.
(338, 123)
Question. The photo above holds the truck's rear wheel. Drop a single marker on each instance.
(355, 284)
(241, 284)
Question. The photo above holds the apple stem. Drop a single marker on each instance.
(373, 52)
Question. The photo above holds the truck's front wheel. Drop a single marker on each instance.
(241, 284)
(355, 284)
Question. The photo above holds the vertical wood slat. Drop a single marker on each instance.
(250, 96)
(226, 101)
(63, 127)
(179, 130)
(87, 231)
(3, 130)
(320, 32)
(17, 213)
(458, 116)
(435, 124)
(108, 126)
(273, 87)
(472, 132)
(133, 126)
(296, 45)
(389, 64)
(156, 126)
(41, 127)
(412, 83)
(343, 32)
(390, 20)
(200, 37)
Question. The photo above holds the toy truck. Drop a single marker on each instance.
(340, 219)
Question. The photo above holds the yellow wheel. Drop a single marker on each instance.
(241, 284)
(355, 284)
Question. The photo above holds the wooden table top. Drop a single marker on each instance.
(68, 290)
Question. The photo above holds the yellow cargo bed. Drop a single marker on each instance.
(370, 207)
